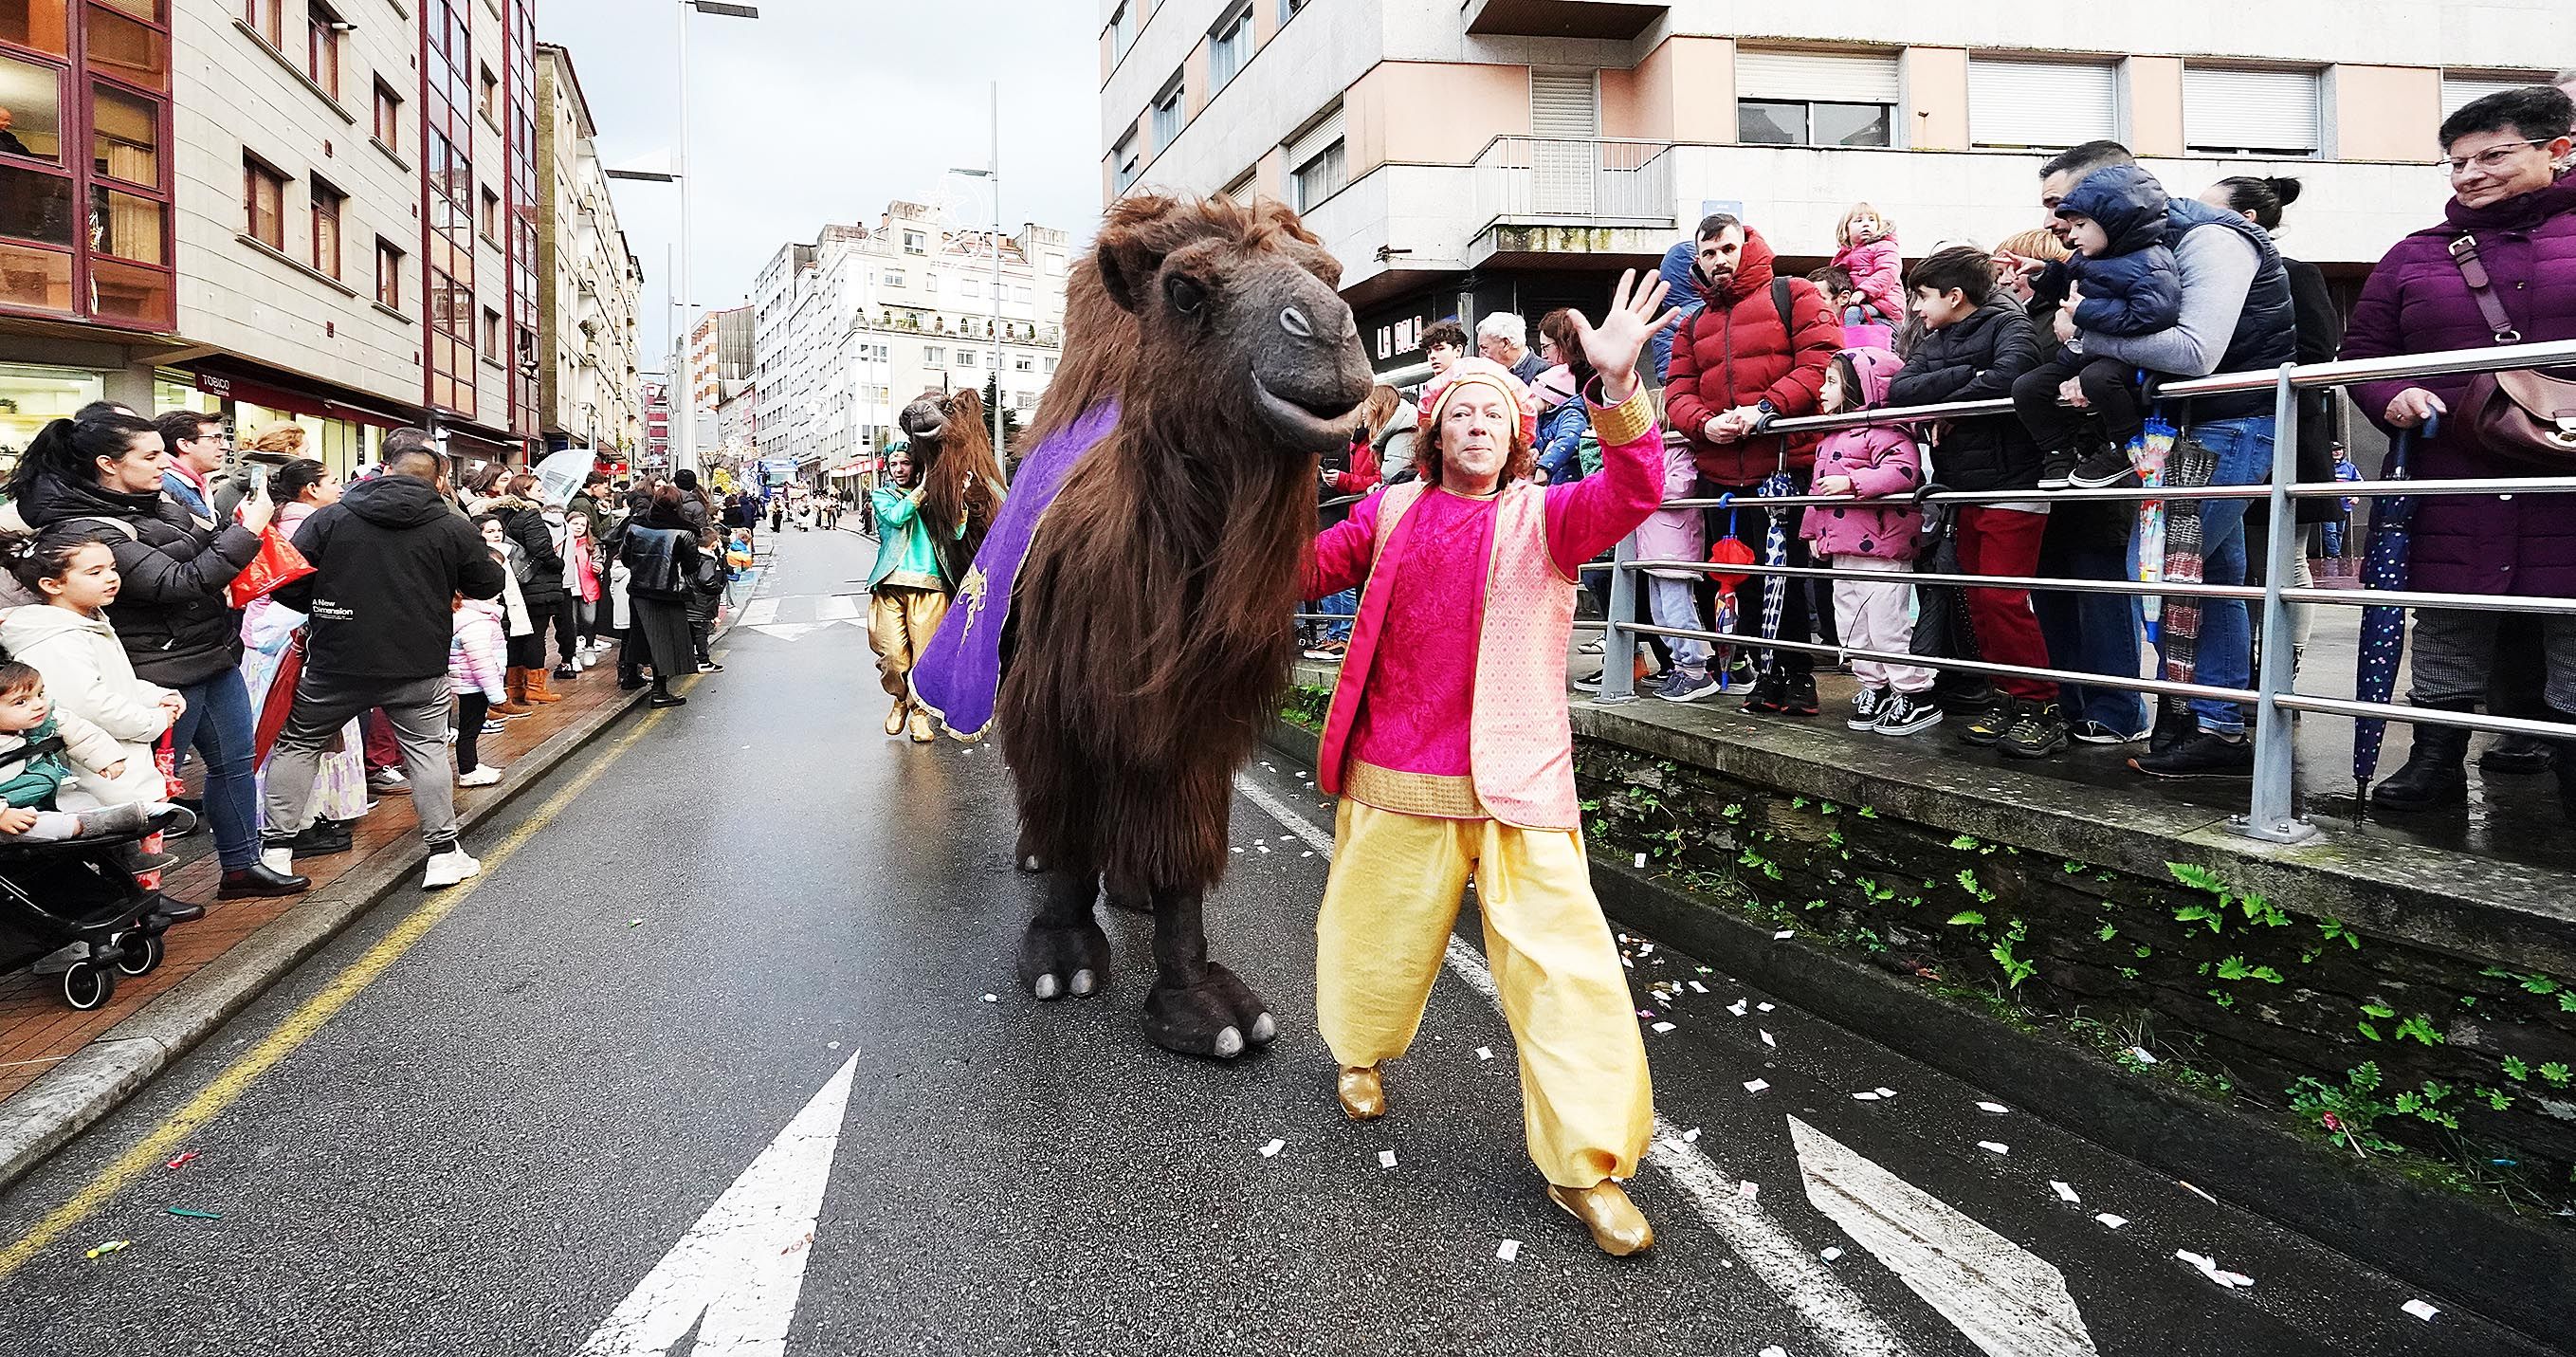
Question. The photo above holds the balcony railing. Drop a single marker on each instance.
(1574, 181)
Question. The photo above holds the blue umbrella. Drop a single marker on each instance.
(2383, 629)
(1775, 551)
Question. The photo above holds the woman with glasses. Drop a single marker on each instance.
(2499, 269)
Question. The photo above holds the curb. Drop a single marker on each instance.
(2502, 1266)
(78, 1093)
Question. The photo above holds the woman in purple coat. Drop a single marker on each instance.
(2521, 216)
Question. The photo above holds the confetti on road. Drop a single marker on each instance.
(1237, 848)
(1691, 1136)
(2065, 1192)
(1765, 1008)
(1641, 859)
(1995, 1145)
(2420, 1310)
(1884, 1091)
(1864, 1096)
(992, 998)
(1698, 988)
(1775, 1350)
(2145, 1056)
(1508, 1250)
(634, 923)
(1784, 935)
(185, 1214)
(1748, 1189)
(1756, 1085)
(1484, 1053)
(2198, 1193)
(1736, 1008)
(1386, 1159)
(180, 1160)
(1767, 1041)
(2115, 1222)
(2209, 1268)
(1663, 1027)
(1271, 1150)
(111, 1246)
(1829, 1254)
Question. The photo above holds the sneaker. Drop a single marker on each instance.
(1990, 725)
(1741, 675)
(2102, 470)
(566, 671)
(2055, 470)
(1865, 705)
(1591, 647)
(2095, 732)
(450, 867)
(2203, 754)
(1900, 714)
(390, 781)
(484, 776)
(2174, 724)
(1770, 695)
(1801, 699)
(1679, 686)
(494, 726)
(2040, 732)
(1590, 683)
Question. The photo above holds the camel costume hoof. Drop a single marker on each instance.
(1617, 1226)
(1210, 1018)
(1030, 863)
(1055, 962)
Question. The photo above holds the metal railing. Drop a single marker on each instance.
(1574, 180)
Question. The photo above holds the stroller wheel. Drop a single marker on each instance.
(88, 985)
(142, 953)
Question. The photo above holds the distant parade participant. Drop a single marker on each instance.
(909, 589)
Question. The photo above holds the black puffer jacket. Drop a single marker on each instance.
(526, 524)
(388, 560)
(660, 562)
(177, 626)
(1976, 359)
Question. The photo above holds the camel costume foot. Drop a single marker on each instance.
(1060, 960)
(1219, 1016)
(1615, 1222)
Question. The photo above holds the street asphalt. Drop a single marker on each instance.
(492, 1145)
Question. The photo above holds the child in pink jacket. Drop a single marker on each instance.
(1878, 463)
(476, 672)
(1869, 255)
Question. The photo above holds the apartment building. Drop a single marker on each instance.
(320, 211)
(1513, 154)
(589, 283)
(657, 424)
(848, 330)
(718, 358)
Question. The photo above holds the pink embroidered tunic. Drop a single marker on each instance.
(1451, 700)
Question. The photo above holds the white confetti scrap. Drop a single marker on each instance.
(1645, 949)
(1830, 1253)
(1663, 1027)
(2115, 1222)
(992, 998)
(1508, 1250)
(1748, 1189)
(1864, 1097)
(1386, 1159)
(1775, 1350)
(1271, 1150)
(1784, 935)
(1995, 1145)
(2144, 1055)
(1997, 1109)
(1726, 1262)
(1262, 846)
(2064, 1192)
(1698, 988)
(1767, 1041)
(1756, 1085)
(1237, 848)
(2420, 1310)
(1736, 1008)
(1691, 1136)
(1484, 1053)
(1307, 854)
(1884, 1091)
(1765, 1008)
(2198, 1193)
(1641, 859)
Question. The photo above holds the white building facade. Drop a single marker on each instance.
(590, 284)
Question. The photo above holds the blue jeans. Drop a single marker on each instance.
(2092, 633)
(1344, 605)
(2243, 448)
(219, 726)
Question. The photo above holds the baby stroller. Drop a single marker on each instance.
(67, 892)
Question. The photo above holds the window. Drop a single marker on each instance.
(1050, 367)
(35, 102)
(915, 243)
(327, 203)
(487, 97)
(491, 334)
(967, 358)
(930, 282)
(1815, 99)
(322, 48)
(1321, 177)
(389, 266)
(894, 277)
(125, 136)
(388, 116)
(1023, 401)
(1123, 160)
(2235, 110)
(2021, 104)
(1288, 10)
(1241, 189)
(268, 19)
(1023, 363)
(2466, 88)
(1229, 46)
(1122, 30)
(263, 204)
(934, 355)
(973, 287)
(1167, 113)
(490, 221)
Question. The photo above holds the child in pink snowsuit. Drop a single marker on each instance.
(1869, 255)
(1872, 614)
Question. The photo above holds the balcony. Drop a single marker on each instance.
(1618, 19)
(1552, 195)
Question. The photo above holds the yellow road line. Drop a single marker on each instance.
(211, 1101)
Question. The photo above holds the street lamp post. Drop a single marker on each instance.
(992, 173)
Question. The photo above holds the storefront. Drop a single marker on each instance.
(32, 395)
(340, 434)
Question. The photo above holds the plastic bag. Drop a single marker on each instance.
(277, 565)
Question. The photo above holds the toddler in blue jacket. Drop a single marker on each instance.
(2122, 280)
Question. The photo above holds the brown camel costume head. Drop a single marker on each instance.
(1152, 620)
(952, 457)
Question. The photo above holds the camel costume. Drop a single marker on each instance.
(908, 595)
(1446, 769)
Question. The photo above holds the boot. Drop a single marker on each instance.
(1362, 1092)
(2566, 767)
(919, 725)
(537, 690)
(894, 717)
(2436, 772)
(2519, 754)
(1617, 1226)
(516, 684)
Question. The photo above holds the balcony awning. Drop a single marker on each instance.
(1562, 18)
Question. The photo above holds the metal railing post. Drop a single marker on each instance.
(1618, 643)
(2274, 816)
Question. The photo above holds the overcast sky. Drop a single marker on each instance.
(822, 110)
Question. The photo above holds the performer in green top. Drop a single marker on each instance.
(909, 588)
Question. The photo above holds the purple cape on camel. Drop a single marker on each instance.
(959, 676)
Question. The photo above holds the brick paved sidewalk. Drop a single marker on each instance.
(38, 1031)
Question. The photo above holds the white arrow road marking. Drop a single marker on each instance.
(2005, 1299)
(760, 612)
(1796, 1275)
(788, 631)
(743, 1263)
(836, 608)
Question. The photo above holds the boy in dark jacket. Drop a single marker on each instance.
(1976, 344)
(2123, 281)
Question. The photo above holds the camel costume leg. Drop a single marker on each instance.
(1587, 1105)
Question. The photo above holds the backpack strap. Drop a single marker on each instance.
(1780, 303)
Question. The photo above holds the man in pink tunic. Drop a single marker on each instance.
(1449, 747)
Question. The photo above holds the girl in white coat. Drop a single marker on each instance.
(67, 639)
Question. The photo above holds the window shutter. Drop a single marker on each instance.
(2053, 104)
(2460, 91)
(1315, 139)
(1564, 104)
(1829, 77)
(2232, 109)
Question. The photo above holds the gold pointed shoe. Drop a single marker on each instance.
(1615, 1222)
(894, 718)
(921, 731)
(1363, 1093)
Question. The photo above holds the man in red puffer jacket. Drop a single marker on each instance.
(1759, 350)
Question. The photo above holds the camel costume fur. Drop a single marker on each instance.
(1147, 632)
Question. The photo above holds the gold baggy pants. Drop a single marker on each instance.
(900, 622)
(1397, 882)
